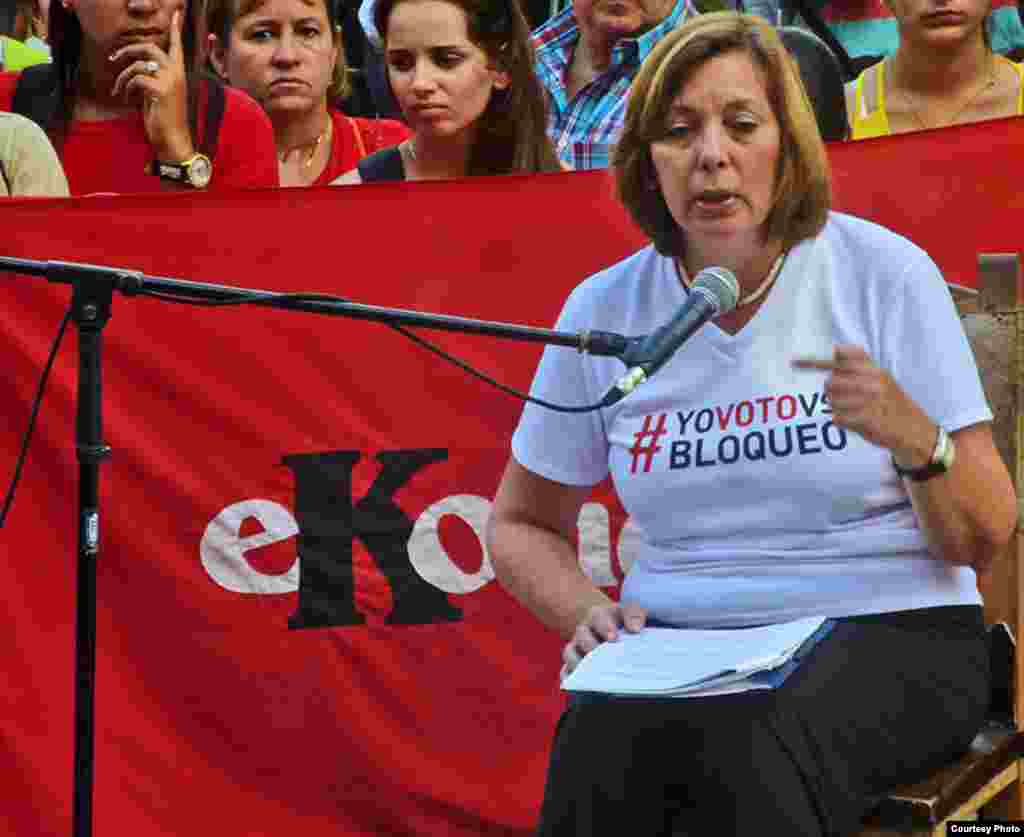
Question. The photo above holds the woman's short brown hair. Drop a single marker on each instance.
(802, 188)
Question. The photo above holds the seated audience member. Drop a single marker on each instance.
(869, 28)
(28, 163)
(462, 73)
(875, 507)
(288, 55)
(384, 104)
(587, 57)
(126, 114)
(944, 73)
(22, 34)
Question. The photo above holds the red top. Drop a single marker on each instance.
(348, 131)
(113, 155)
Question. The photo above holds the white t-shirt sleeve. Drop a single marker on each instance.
(570, 448)
(926, 349)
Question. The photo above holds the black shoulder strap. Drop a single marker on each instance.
(213, 115)
(820, 28)
(382, 165)
(35, 94)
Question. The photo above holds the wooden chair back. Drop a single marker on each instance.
(987, 781)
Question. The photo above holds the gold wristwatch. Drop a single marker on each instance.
(196, 171)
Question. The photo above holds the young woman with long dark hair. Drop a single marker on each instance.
(462, 73)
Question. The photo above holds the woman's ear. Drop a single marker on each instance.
(218, 57)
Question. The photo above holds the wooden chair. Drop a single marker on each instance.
(986, 783)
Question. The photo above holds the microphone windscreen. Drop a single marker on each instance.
(720, 283)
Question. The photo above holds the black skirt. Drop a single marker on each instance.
(882, 700)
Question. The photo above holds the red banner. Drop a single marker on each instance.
(298, 625)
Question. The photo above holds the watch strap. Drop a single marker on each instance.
(941, 461)
(177, 172)
(169, 171)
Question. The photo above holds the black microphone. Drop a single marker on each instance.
(715, 291)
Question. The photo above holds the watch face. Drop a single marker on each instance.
(200, 171)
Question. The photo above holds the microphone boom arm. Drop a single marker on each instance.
(131, 282)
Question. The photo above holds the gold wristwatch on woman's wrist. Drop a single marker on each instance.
(941, 461)
(196, 171)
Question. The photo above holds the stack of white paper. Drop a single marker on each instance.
(683, 662)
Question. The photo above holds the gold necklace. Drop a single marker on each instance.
(754, 295)
(915, 109)
(313, 145)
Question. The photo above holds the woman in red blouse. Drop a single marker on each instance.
(125, 111)
(287, 55)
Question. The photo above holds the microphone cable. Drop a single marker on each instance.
(36, 404)
(256, 299)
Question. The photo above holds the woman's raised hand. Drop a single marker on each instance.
(867, 400)
(602, 624)
(158, 79)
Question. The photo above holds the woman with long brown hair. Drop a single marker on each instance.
(462, 72)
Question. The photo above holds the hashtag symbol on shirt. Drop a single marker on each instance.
(650, 435)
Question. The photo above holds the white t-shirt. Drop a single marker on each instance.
(752, 505)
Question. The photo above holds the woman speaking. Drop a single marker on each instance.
(862, 484)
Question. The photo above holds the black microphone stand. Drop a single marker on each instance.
(93, 288)
(90, 311)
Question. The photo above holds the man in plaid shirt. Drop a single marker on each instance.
(587, 57)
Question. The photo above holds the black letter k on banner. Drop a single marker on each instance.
(329, 521)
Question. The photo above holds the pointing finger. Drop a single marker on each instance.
(815, 363)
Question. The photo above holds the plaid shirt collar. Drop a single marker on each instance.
(555, 40)
(585, 129)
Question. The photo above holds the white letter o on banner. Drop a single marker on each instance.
(428, 556)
